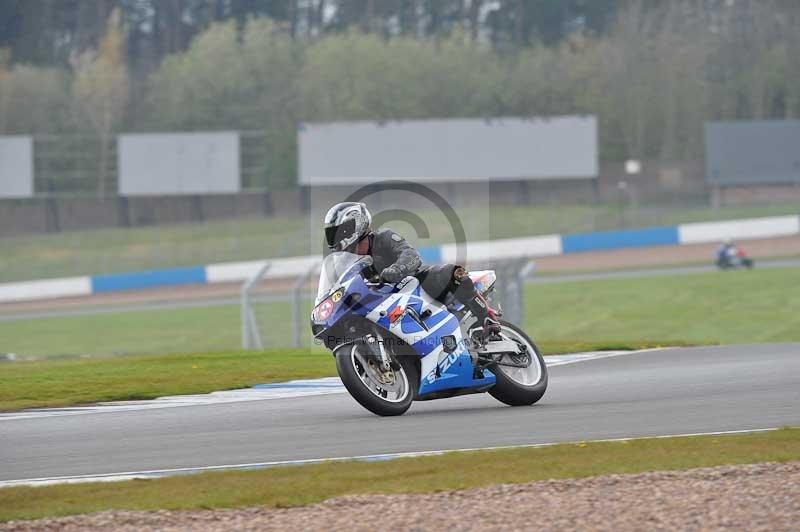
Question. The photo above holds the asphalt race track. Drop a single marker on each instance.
(673, 391)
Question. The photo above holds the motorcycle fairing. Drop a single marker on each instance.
(455, 368)
(399, 310)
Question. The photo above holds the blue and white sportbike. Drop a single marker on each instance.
(395, 344)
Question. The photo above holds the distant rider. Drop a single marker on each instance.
(726, 249)
(729, 254)
(348, 228)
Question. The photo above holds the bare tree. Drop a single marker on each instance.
(101, 90)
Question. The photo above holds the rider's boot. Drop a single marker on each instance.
(491, 327)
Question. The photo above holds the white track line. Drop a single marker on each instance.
(159, 473)
(282, 390)
(562, 360)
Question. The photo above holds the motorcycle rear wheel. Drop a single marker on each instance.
(361, 377)
(520, 386)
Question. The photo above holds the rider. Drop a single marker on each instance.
(348, 228)
(729, 251)
(731, 255)
(726, 251)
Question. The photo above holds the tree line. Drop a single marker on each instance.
(49, 31)
(653, 72)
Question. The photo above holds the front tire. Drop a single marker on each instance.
(362, 378)
(520, 386)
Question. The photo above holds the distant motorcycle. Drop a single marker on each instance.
(395, 344)
(731, 257)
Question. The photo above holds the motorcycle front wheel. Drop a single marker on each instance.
(385, 393)
(519, 386)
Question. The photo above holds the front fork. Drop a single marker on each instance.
(377, 344)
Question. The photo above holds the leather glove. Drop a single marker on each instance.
(392, 274)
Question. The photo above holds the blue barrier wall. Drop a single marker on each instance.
(151, 279)
(657, 236)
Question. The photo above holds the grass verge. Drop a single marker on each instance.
(739, 307)
(52, 383)
(292, 486)
(731, 307)
(69, 382)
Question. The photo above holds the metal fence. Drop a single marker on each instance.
(86, 165)
(74, 165)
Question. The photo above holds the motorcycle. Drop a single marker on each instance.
(733, 260)
(395, 344)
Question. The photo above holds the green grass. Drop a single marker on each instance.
(69, 382)
(731, 307)
(293, 486)
(188, 330)
(756, 306)
(120, 250)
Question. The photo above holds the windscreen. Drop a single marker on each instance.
(333, 267)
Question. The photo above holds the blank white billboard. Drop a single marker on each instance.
(178, 163)
(341, 153)
(16, 167)
(762, 152)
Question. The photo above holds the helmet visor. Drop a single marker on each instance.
(334, 235)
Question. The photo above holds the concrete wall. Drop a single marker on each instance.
(743, 195)
(43, 215)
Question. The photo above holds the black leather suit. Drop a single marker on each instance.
(388, 248)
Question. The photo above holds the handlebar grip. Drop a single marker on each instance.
(374, 281)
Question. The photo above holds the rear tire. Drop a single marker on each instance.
(350, 364)
(509, 389)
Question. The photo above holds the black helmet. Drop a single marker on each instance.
(345, 224)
